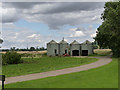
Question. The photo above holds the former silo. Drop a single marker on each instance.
(75, 48)
(63, 47)
(52, 48)
(86, 48)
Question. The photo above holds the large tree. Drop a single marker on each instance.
(108, 34)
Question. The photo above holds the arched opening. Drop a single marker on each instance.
(75, 53)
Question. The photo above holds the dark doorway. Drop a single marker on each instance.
(84, 52)
(75, 53)
(65, 51)
(55, 52)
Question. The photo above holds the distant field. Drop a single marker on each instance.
(43, 64)
(30, 52)
(97, 51)
(101, 52)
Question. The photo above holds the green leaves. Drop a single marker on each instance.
(11, 58)
(108, 34)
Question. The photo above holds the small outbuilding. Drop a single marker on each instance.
(52, 48)
(86, 48)
(63, 47)
(75, 48)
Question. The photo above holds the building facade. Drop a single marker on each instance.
(72, 49)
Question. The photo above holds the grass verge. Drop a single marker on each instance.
(103, 77)
(43, 64)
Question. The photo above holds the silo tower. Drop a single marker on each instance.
(52, 48)
(75, 48)
(63, 47)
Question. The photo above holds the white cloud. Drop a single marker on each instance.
(93, 35)
(33, 36)
(77, 34)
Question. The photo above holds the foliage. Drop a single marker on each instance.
(11, 58)
(102, 77)
(32, 49)
(25, 49)
(43, 64)
(108, 34)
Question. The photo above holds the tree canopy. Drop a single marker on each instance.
(108, 34)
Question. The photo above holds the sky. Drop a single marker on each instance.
(26, 24)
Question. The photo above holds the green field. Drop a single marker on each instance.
(43, 64)
(102, 77)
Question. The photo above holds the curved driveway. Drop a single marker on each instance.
(102, 61)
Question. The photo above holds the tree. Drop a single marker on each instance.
(108, 34)
(12, 48)
(32, 49)
(42, 48)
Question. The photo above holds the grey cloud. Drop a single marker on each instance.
(80, 29)
(55, 15)
(10, 19)
(73, 7)
(20, 5)
(57, 6)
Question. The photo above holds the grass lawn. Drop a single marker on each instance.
(44, 64)
(103, 77)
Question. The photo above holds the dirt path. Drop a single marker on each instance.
(102, 61)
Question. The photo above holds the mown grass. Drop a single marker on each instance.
(103, 77)
(43, 64)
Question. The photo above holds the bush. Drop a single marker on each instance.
(11, 58)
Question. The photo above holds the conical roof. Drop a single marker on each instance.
(75, 42)
(52, 41)
(63, 42)
(87, 42)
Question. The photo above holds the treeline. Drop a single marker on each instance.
(25, 49)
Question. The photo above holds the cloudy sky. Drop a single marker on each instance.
(36, 23)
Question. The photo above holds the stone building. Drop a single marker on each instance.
(75, 48)
(52, 48)
(72, 49)
(63, 47)
(86, 48)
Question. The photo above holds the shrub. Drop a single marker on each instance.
(11, 58)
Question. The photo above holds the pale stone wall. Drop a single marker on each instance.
(74, 47)
(51, 49)
(62, 48)
(88, 47)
